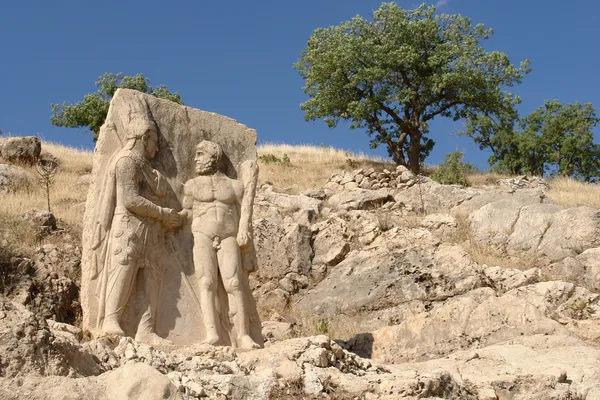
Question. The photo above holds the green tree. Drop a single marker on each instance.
(91, 112)
(452, 171)
(396, 73)
(562, 135)
(555, 138)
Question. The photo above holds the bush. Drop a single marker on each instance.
(452, 171)
(270, 158)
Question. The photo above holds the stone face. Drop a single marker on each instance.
(24, 150)
(148, 241)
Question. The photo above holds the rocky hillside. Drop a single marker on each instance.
(373, 284)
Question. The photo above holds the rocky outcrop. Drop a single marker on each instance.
(14, 179)
(25, 150)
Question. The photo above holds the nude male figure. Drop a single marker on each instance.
(220, 220)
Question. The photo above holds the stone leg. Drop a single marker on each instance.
(205, 262)
(230, 265)
(119, 287)
(150, 280)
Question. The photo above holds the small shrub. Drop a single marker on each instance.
(321, 326)
(452, 171)
(270, 158)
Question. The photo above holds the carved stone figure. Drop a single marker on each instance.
(141, 271)
(220, 211)
(127, 230)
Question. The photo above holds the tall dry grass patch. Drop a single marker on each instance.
(66, 196)
(569, 192)
(482, 179)
(310, 166)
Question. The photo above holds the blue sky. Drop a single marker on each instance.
(235, 58)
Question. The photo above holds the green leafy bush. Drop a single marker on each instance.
(452, 171)
(270, 158)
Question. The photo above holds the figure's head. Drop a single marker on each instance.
(142, 133)
(208, 157)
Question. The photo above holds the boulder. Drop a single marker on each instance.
(331, 242)
(360, 199)
(14, 179)
(24, 149)
(475, 317)
(289, 202)
(583, 269)
(139, 381)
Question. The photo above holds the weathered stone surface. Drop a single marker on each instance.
(388, 274)
(436, 197)
(360, 199)
(571, 232)
(331, 242)
(139, 381)
(282, 248)
(24, 149)
(160, 172)
(289, 202)
(28, 347)
(583, 269)
(505, 279)
(475, 316)
(13, 179)
(544, 229)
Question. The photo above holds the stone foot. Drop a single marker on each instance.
(152, 339)
(212, 339)
(112, 328)
(246, 342)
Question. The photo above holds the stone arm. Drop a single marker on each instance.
(249, 177)
(130, 177)
(188, 202)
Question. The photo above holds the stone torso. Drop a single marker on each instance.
(215, 205)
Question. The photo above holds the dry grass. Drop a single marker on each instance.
(311, 166)
(569, 192)
(65, 199)
(336, 327)
(482, 179)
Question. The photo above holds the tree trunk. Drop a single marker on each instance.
(395, 151)
(414, 152)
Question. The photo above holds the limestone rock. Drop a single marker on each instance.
(331, 242)
(571, 232)
(583, 269)
(282, 248)
(437, 198)
(24, 149)
(290, 202)
(139, 381)
(505, 279)
(14, 179)
(360, 199)
(475, 316)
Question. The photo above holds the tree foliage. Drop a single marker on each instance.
(91, 112)
(556, 138)
(452, 171)
(396, 73)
